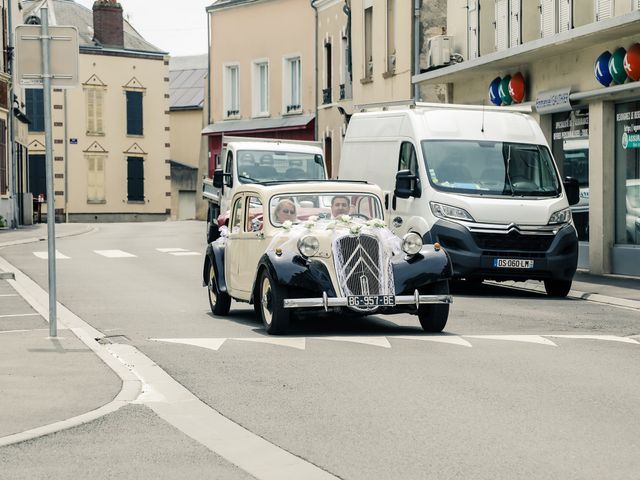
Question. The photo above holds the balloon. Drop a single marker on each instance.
(516, 88)
(632, 62)
(504, 90)
(601, 68)
(494, 94)
(616, 65)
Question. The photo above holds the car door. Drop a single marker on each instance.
(252, 242)
(402, 209)
(233, 247)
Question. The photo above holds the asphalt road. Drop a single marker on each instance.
(508, 391)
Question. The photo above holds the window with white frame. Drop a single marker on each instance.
(473, 20)
(391, 35)
(515, 29)
(604, 9)
(502, 24)
(565, 15)
(95, 178)
(368, 43)
(260, 89)
(292, 76)
(95, 106)
(548, 18)
(231, 85)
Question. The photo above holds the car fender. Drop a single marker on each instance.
(292, 270)
(418, 225)
(215, 257)
(426, 267)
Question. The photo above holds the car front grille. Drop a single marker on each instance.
(360, 266)
(513, 241)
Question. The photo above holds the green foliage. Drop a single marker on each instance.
(3, 222)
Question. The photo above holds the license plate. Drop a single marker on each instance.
(512, 263)
(371, 300)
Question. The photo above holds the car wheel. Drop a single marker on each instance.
(433, 317)
(557, 288)
(220, 302)
(274, 316)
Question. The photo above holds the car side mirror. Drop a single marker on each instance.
(572, 189)
(218, 178)
(407, 185)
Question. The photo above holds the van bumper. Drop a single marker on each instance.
(473, 256)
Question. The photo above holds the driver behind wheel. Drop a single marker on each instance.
(340, 206)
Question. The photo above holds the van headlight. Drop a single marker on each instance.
(411, 243)
(447, 211)
(561, 216)
(308, 245)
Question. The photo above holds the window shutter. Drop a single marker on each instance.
(547, 17)
(135, 179)
(502, 25)
(564, 16)
(99, 182)
(91, 110)
(35, 109)
(134, 113)
(472, 30)
(37, 175)
(91, 178)
(514, 22)
(99, 99)
(604, 9)
(4, 179)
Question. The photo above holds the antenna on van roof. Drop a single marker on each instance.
(482, 126)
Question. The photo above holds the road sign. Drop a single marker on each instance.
(64, 52)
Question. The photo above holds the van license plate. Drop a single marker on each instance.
(512, 263)
(371, 300)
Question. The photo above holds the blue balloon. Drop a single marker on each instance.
(601, 69)
(494, 93)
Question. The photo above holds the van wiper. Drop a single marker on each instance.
(507, 172)
(247, 179)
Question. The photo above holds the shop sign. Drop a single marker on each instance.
(630, 124)
(554, 101)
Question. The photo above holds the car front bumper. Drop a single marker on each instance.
(327, 302)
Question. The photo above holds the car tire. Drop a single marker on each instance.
(220, 302)
(557, 288)
(271, 300)
(433, 316)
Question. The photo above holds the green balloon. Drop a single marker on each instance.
(503, 90)
(616, 66)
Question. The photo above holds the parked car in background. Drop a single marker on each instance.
(289, 248)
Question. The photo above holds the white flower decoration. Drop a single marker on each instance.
(309, 224)
(355, 229)
(287, 224)
(344, 218)
(331, 225)
(376, 223)
(313, 218)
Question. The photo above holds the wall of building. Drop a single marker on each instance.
(186, 126)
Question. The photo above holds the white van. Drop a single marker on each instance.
(481, 181)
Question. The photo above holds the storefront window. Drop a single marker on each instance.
(628, 173)
(571, 151)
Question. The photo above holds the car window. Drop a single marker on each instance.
(253, 215)
(408, 160)
(236, 216)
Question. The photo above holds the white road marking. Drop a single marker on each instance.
(611, 338)
(20, 315)
(453, 340)
(114, 253)
(293, 342)
(184, 254)
(375, 341)
(9, 295)
(45, 255)
(169, 250)
(178, 252)
(210, 343)
(516, 338)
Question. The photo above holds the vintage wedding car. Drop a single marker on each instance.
(284, 249)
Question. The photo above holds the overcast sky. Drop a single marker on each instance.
(178, 27)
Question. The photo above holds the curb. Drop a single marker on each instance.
(41, 238)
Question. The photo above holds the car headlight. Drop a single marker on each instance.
(561, 216)
(411, 243)
(308, 245)
(447, 211)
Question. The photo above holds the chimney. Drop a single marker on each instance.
(107, 23)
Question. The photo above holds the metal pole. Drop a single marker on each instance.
(17, 212)
(51, 208)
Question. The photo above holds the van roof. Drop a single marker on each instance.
(316, 186)
(283, 146)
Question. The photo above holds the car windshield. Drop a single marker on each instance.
(633, 194)
(268, 166)
(490, 168)
(298, 207)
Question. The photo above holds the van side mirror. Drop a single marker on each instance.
(218, 178)
(407, 185)
(572, 189)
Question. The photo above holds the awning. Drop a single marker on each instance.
(259, 124)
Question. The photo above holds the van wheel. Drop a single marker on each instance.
(557, 288)
(220, 302)
(433, 317)
(274, 316)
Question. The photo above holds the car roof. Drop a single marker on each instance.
(330, 186)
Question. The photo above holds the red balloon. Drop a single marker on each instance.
(516, 88)
(632, 62)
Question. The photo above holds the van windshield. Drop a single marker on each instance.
(267, 166)
(490, 168)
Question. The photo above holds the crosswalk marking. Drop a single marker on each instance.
(20, 315)
(45, 255)
(300, 343)
(184, 254)
(178, 252)
(114, 253)
(170, 250)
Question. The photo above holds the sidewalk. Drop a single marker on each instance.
(38, 232)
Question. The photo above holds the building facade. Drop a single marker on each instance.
(111, 134)
(588, 106)
(261, 72)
